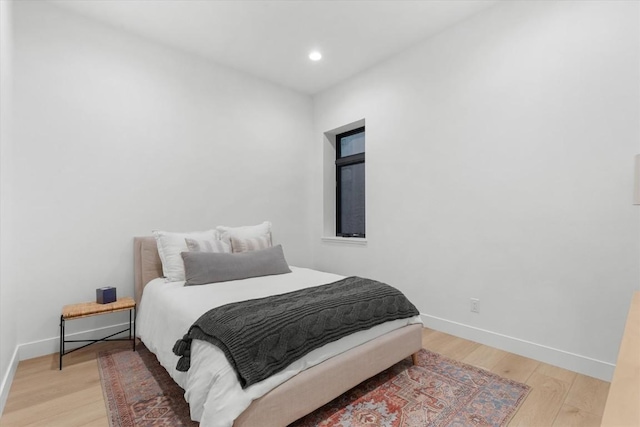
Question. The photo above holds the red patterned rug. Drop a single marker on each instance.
(139, 391)
(437, 392)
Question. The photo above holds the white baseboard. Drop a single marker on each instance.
(553, 356)
(5, 386)
(52, 345)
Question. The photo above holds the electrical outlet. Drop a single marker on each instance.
(475, 305)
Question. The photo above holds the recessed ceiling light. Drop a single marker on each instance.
(315, 56)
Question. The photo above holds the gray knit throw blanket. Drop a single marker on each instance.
(263, 336)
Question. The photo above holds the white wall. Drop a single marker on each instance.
(116, 136)
(8, 337)
(499, 166)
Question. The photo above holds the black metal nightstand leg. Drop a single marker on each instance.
(134, 328)
(61, 339)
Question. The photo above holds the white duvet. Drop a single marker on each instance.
(215, 397)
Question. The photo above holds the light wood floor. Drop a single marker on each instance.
(41, 395)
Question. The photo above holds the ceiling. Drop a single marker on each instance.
(272, 39)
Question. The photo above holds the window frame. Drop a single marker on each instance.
(339, 163)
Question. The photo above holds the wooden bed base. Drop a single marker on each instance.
(314, 387)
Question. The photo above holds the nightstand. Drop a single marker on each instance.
(87, 309)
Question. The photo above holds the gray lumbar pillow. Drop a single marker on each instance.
(208, 267)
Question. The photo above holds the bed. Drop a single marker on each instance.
(303, 387)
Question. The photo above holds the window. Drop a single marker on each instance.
(350, 212)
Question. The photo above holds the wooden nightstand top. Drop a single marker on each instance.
(85, 309)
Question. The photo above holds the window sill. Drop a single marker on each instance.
(354, 241)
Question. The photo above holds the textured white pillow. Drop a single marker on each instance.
(210, 245)
(245, 232)
(251, 244)
(171, 244)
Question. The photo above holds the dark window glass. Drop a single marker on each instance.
(350, 188)
(352, 199)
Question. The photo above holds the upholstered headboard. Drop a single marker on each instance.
(146, 261)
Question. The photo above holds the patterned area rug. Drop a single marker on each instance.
(139, 391)
(436, 392)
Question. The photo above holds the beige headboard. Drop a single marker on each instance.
(146, 261)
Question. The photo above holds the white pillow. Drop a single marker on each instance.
(252, 244)
(171, 244)
(245, 232)
(209, 245)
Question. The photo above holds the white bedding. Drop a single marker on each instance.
(215, 397)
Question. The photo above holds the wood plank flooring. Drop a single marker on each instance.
(41, 395)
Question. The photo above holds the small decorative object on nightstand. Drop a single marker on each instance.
(106, 295)
(86, 309)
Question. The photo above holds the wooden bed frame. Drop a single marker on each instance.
(314, 387)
